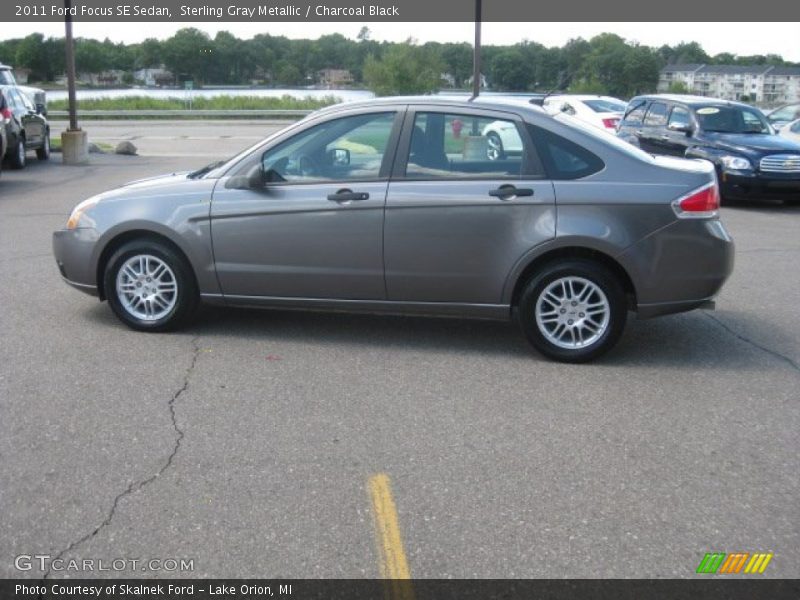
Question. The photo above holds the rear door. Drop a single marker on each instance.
(468, 197)
(31, 121)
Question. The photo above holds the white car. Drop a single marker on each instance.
(604, 112)
(502, 139)
(792, 131)
(37, 96)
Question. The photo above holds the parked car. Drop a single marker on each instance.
(26, 128)
(379, 206)
(37, 95)
(601, 111)
(782, 116)
(3, 135)
(751, 162)
(792, 131)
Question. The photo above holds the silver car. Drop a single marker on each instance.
(401, 205)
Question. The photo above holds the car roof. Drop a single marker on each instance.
(690, 100)
(485, 102)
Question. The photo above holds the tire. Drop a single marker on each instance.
(17, 158)
(569, 332)
(495, 151)
(43, 153)
(143, 266)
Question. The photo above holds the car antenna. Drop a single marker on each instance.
(562, 81)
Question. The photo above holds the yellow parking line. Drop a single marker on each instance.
(392, 557)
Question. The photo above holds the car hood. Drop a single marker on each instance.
(174, 185)
(157, 180)
(751, 144)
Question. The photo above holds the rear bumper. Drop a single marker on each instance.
(679, 267)
(759, 186)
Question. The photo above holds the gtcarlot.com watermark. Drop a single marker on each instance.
(46, 563)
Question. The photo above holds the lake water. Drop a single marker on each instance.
(344, 95)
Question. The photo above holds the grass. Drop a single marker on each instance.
(55, 145)
(200, 103)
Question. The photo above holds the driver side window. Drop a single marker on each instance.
(347, 149)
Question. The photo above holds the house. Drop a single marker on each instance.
(768, 84)
(335, 78)
(153, 77)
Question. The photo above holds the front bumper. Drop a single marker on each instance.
(756, 185)
(73, 250)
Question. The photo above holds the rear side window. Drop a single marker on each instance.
(657, 115)
(562, 158)
(462, 146)
(635, 116)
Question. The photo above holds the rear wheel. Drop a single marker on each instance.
(495, 150)
(43, 153)
(17, 157)
(150, 287)
(573, 310)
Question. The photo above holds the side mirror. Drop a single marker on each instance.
(566, 108)
(339, 157)
(681, 127)
(41, 109)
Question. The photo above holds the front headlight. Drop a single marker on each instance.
(736, 163)
(78, 211)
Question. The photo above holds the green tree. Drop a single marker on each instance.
(404, 69)
(678, 87)
(509, 70)
(189, 54)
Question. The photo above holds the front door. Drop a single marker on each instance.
(313, 226)
(468, 198)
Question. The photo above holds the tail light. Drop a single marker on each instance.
(610, 123)
(701, 203)
(6, 113)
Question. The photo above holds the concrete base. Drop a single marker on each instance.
(75, 147)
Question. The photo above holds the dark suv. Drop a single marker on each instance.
(26, 128)
(751, 161)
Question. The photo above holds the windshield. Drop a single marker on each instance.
(602, 106)
(731, 119)
(6, 77)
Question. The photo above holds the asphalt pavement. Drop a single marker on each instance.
(248, 442)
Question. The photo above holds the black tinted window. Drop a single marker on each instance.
(635, 116)
(657, 115)
(562, 158)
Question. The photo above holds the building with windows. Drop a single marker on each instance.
(765, 84)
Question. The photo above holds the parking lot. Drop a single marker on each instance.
(248, 442)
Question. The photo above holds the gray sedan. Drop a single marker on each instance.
(400, 205)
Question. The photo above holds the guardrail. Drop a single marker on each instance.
(183, 113)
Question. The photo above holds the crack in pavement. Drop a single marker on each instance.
(144, 482)
(747, 340)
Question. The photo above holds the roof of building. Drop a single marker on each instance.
(732, 69)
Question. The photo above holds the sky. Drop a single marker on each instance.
(737, 38)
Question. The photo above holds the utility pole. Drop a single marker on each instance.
(70, 58)
(74, 141)
(476, 56)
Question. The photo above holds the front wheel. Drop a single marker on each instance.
(573, 310)
(150, 287)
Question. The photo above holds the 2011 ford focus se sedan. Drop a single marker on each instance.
(403, 205)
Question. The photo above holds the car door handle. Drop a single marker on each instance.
(639, 132)
(504, 192)
(348, 196)
(665, 137)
